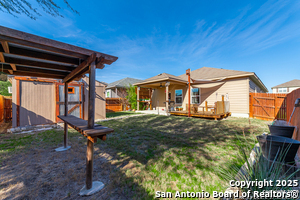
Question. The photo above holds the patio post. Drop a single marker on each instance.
(167, 97)
(138, 97)
(188, 72)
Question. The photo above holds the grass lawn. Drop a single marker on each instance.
(119, 114)
(145, 154)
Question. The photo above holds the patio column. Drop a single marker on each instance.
(138, 97)
(167, 96)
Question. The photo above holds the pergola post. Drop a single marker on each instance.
(138, 97)
(65, 147)
(92, 89)
(66, 113)
(90, 186)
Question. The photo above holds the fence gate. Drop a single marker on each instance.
(267, 106)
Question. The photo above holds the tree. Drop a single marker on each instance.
(131, 97)
(16, 7)
(123, 97)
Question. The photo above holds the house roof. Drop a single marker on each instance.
(161, 77)
(125, 82)
(292, 83)
(209, 73)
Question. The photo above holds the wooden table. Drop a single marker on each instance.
(91, 134)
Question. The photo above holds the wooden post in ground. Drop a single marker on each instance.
(206, 108)
(65, 147)
(91, 121)
(89, 164)
(138, 98)
(66, 113)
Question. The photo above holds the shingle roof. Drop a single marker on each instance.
(163, 76)
(210, 73)
(292, 83)
(125, 82)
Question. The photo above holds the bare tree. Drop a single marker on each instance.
(123, 97)
(16, 7)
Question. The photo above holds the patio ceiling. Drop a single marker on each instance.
(26, 54)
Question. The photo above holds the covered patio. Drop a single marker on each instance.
(162, 96)
(172, 95)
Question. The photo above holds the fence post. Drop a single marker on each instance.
(275, 109)
(251, 105)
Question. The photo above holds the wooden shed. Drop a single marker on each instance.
(41, 100)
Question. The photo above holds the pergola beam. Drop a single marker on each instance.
(5, 48)
(42, 75)
(32, 63)
(14, 50)
(81, 69)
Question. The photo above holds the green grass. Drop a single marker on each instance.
(157, 153)
(119, 114)
(178, 153)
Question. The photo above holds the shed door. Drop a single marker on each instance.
(37, 103)
(74, 100)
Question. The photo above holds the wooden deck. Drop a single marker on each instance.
(203, 114)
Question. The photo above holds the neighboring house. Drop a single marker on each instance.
(40, 100)
(207, 84)
(117, 89)
(287, 87)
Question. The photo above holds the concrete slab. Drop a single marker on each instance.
(97, 186)
(62, 148)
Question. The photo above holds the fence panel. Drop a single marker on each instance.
(113, 105)
(267, 106)
(295, 121)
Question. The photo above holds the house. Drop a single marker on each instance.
(287, 87)
(117, 89)
(207, 84)
(38, 101)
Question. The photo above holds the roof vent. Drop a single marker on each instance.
(159, 74)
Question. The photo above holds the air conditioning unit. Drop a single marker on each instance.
(10, 90)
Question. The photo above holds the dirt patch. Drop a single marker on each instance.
(47, 174)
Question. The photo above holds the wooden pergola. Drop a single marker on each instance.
(24, 54)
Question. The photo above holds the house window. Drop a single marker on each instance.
(282, 90)
(71, 90)
(178, 96)
(195, 94)
(108, 93)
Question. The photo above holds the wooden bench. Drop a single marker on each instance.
(98, 131)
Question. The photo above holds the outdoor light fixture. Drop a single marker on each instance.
(160, 85)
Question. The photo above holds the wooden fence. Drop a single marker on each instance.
(267, 106)
(113, 105)
(295, 121)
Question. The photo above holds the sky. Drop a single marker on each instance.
(152, 37)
